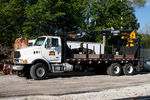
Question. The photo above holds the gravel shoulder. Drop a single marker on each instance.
(79, 86)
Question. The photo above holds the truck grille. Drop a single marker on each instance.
(17, 54)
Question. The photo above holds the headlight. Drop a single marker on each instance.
(20, 61)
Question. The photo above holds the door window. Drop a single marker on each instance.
(54, 42)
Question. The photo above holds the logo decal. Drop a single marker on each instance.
(52, 53)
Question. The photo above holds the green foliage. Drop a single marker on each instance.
(145, 40)
(40, 16)
(31, 18)
(48, 16)
(105, 14)
(11, 18)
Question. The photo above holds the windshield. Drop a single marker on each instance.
(39, 41)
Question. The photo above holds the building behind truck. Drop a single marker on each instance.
(53, 54)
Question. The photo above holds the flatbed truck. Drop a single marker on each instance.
(52, 54)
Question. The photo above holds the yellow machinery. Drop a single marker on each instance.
(130, 37)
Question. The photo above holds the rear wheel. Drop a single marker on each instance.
(38, 71)
(128, 69)
(114, 70)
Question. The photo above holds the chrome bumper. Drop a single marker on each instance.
(17, 67)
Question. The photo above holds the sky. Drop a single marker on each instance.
(143, 16)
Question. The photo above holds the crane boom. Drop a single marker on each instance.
(127, 35)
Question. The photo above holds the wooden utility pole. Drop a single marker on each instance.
(104, 42)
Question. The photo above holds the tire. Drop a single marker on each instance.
(38, 71)
(115, 69)
(128, 69)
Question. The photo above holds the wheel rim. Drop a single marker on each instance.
(129, 69)
(40, 72)
(116, 69)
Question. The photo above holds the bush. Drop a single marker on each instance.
(6, 54)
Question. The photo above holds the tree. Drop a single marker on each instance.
(74, 14)
(41, 16)
(11, 20)
(48, 16)
(144, 35)
(32, 18)
(105, 14)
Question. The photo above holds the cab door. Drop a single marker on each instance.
(52, 50)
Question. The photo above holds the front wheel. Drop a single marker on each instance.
(38, 71)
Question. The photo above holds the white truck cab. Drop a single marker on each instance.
(46, 49)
